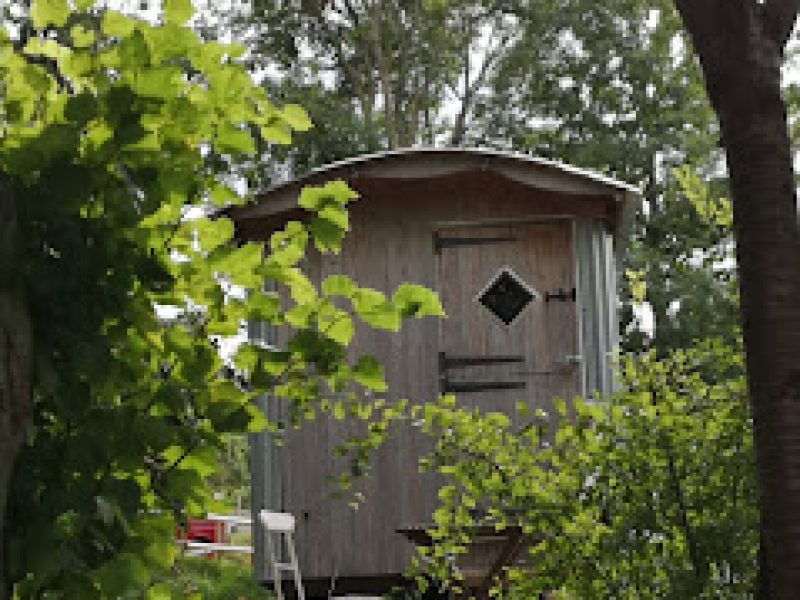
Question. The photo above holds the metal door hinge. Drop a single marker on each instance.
(465, 387)
(454, 362)
(446, 363)
(439, 241)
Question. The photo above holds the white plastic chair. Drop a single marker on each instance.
(281, 524)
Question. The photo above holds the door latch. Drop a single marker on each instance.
(561, 295)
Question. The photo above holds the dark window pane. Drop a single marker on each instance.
(506, 296)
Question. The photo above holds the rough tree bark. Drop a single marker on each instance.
(16, 346)
(740, 44)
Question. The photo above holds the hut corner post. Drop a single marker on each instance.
(266, 471)
(16, 344)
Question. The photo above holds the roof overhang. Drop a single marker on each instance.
(429, 163)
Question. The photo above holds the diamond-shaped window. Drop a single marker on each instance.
(506, 295)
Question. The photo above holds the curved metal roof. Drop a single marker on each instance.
(426, 162)
(481, 152)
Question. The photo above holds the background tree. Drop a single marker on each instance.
(408, 72)
(741, 49)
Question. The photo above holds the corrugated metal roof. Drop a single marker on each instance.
(486, 152)
(421, 163)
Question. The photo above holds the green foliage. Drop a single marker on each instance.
(232, 476)
(648, 494)
(111, 127)
(195, 578)
(682, 263)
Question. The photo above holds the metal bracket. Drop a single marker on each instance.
(455, 362)
(561, 295)
(466, 387)
(440, 241)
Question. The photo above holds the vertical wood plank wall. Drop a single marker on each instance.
(391, 242)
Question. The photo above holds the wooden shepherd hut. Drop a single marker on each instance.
(524, 253)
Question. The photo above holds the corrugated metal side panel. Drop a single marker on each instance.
(587, 298)
(582, 299)
(597, 304)
(612, 309)
(266, 466)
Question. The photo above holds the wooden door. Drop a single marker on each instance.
(511, 329)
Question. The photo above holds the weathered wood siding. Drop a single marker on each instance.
(391, 242)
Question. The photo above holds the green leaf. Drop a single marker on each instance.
(243, 264)
(277, 134)
(327, 235)
(417, 301)
(225, 327)
(339, 285)
(81, 37)
(84, 4)
(336, 215)
(335, 192)
(48, 48)
(298, 316)
(177, 12)
(296, 117)
(49, 12)
(288, 246)
(222, 195)
(338, 411)
(275, 363)
(301, 289)
(213, 233)
(233, 140)
(116, 24)
(335, 324)
(160, 82)
(369, 373)
(374, 309)
(81, 108)
(246, 357)
(256, 419)
(263, 307)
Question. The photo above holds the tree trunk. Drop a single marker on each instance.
(382, 61)
(16, 343)
(740, 45)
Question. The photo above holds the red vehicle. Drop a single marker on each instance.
(201, 530)
(205, 530)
